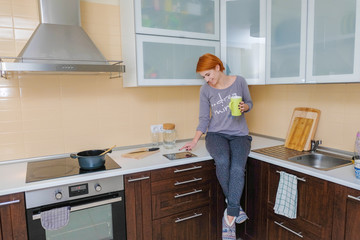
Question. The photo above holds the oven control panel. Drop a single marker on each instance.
(78, 190)
(63, 193)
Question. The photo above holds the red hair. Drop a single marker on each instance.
(207, 62)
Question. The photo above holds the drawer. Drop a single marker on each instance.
(179, 200)
(193, 224)
(193, 179)
(181, 170)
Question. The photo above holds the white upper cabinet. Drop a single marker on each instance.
(169, 61)
(178, 18)
(162, 40)
(243, 24)
(286, 41)
(312, 41)
(333, 41)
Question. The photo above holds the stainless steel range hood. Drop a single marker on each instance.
(59, 44)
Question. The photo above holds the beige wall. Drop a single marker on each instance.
(339, 105)
(52, 114)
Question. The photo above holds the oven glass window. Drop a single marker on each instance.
(91, 224)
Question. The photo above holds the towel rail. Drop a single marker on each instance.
(85, 206)
(300, 179)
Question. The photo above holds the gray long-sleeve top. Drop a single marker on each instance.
(217, 101)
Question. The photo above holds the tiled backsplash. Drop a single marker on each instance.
(339, 105)
(43, 114)
(52, 114)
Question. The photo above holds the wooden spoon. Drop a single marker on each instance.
(107, 150)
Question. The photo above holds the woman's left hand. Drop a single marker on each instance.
(243, 107)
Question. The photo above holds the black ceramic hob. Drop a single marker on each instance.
(62, 167)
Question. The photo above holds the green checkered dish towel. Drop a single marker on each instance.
(286, 196)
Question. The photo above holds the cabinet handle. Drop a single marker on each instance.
(9, 202)
(188, 193)
(355, 198)
(187, 218)
(188, 181)
(138, 179)
(300, 179)
(187, 169)
(288, 229)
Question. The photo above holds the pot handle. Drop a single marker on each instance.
(73, 155)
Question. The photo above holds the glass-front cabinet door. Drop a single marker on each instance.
(166, 61)
(313, 41)
(333, 41)
(243, 24)
(286, 41)
(178, 18)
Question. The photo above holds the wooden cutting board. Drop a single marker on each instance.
(302, 128)
(139, 155)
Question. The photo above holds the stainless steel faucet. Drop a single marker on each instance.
(315, 145)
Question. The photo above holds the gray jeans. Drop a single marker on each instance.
(230, 155)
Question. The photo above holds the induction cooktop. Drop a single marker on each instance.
(62, 167)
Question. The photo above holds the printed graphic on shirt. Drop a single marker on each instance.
(221, 106)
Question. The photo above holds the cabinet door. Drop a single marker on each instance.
(138, 206)
(314, 205)
(178, 18)
(333, 41)
(286, 41)
(191, 225)
(166, 61)
(244, 24)
(255, 200)
(346, 213)
(12, 217)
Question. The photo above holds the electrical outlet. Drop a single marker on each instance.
(156, 128)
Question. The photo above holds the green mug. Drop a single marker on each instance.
(234, 105)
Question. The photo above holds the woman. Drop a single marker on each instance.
(227, 138)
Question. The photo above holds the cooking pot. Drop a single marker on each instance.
(90, 159)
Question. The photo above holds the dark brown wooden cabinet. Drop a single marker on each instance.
(254, 201)
(138, 206)
(314, 206)
(12, 217)
(175, 203)
(346, 222)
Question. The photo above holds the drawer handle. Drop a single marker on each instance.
(300, 179)
(9, 202)
(188, 193)
(188, 181)
(288, 229)
(138, 179)
(187, 169)
(355, 198)
(188, 218)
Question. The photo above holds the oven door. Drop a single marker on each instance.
(92, 218)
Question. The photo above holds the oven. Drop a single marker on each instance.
(94, 209)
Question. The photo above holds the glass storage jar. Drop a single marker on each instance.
(169, 135)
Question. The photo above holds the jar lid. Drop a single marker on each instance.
(168, 126)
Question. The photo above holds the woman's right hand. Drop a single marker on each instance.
(188, 146)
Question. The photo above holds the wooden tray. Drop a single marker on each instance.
(302, 128)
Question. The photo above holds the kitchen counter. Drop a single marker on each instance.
(13, 173)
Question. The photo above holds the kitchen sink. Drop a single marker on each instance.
(321, 161)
